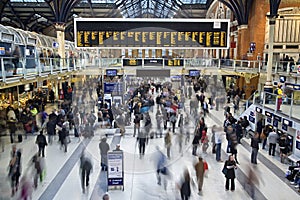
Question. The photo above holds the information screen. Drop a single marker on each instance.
(194, 73)
(111, 72)
(147, 33)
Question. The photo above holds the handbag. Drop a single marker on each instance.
(224, 170)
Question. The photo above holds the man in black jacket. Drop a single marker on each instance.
(41, 142)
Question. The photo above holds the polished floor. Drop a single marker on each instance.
(62, 180)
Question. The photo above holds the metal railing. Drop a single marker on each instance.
(287, 105)
(30, 66)
(11, 69)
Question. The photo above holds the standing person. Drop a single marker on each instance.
(279, 94)
(51, 124)
(272, 139)
(41, 142)
(218, 140)
(104, 148)
(86, 168)
(11, 122)
(259, 128)
(283, 148)
(255, 148)
(230, 165)
(200, 170)
(51, 96)
(168, 143)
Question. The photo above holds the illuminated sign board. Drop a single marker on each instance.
(151, 33)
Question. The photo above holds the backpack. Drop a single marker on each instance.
(276, 91)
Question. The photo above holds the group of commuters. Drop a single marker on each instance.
(171, 119)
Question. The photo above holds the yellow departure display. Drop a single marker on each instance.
(159, 33)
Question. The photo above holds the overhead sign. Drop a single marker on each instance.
(146, 33)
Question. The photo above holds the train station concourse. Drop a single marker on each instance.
(149, 99)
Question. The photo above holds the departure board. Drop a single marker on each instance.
(151, 33)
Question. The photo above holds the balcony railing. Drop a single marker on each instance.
(30, 67)
(290, 104)
(12, 70)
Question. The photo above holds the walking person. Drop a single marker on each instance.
(104, 148)
(137, 124)
(255, 148)
(200, 170)
(41, 142)
(185, 186)
(173, 121)
(168, 143)
(142, 139)
(213, 138)
(15, 169)
(230, 167)
(159, 121)
(86, 168)
(272, 139)
(204, 140)
(161, 168)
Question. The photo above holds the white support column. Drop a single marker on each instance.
(272, 21)
(60, 34)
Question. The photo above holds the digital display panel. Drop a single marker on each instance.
(111, 72)
(147, 33)
(174, 62)
(194, 73)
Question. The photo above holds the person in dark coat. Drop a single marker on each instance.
(85, 167)
(104, 148)
(185, 187)
(230, 165)
(255, 147)
(51, 96)
(51, 124)
(41, 142)
(259, 127)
